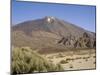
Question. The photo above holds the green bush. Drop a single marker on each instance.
(25, 60)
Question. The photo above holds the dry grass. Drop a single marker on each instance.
(25, 60)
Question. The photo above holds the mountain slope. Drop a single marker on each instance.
(51, 32)
(55, 25)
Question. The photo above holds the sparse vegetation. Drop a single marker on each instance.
(68, 59)
(94, 62)
(94, 56)
(71, 66)
(86, 59)
(63, 61)
(60, 55)
(51, 57)
(25, 60)
(68, 42)
(78, 58)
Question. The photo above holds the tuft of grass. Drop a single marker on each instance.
(71, 66)
(86, 60)
(86, 57)
(25, 60)
(63, 61)
(51, 57)
(69, 59)
(60, 55)
(78, 58)
(94, 56)
(94, 62)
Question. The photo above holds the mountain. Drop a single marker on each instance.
(51, 34)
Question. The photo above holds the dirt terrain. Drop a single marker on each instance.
(74, 60)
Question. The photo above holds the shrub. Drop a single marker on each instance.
(94, 62)
(71, 66)
(59, 67)
(25, 60)
(94, 56)
(69, 59)
(60, 55)
(63, 61)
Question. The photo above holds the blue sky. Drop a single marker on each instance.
(83, 16)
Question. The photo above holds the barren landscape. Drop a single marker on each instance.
(51, 44)
(50, 37)
(74, 60)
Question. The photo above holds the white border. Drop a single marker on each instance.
(5, 37)
(84, 2)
